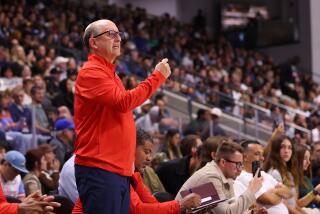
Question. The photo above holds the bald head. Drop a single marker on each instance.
(95, 28)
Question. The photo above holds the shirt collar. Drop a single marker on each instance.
(216, 168)
(95, 57)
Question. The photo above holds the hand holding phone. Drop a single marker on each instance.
(255, 167)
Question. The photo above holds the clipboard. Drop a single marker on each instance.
(208, 194)
(205, 206)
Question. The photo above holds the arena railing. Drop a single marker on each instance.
(257, 127)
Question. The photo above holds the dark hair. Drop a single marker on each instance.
(300, 152)
(4, 145)
(34, 90)
(274, 161)
(226, 149)
(245, 144)
(129, 81)
(200, 112)
(170, 149)
(142, 136)
(187, 143)
(159, 96)
(171, 132)
(45, 148)
(210, 145)
(33, 156)
(52, 109)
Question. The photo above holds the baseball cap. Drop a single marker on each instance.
(216, 111)
(59, 60)
(62, 124)
(16, 160)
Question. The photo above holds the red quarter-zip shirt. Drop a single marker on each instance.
(5, 207)
(104, 124)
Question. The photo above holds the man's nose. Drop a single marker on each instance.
(117, 38)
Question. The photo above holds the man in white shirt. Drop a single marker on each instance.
(272, 192)
(67, 183)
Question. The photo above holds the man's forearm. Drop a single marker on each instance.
(283, 192)
(270, 198)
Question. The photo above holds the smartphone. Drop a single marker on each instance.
(255, 166)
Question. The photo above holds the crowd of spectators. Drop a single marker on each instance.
(46, 44)
(41, 52)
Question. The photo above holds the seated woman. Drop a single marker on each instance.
(281, 164)
(308, 196)
(171, 145)
(35, 163)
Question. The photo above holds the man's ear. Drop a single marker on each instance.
(92, 43)
(213, 155)
(221, 162)
(245, 157)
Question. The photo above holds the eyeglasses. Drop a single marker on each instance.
(112, 34)
(239, 165)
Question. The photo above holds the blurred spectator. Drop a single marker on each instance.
(53, 115)
(164, 98)
(171, 144)
(35, 163)
(42, 121)
(27, 85)
(198, 125)
(315, 162)
(306, 196)
(174, 173)
(3, 149)
(49, 177)
(65, 113)
(67, 181)
(7, 123)
(150, 121)
(215, 129)
(63, 143)
(209, 149)
(158, 158)
(19, 112)
(65, 96)
(142, 109)
(131, 82)
(12, 164)
(206, 124)
(199, 21)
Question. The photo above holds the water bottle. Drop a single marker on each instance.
(24, 125)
